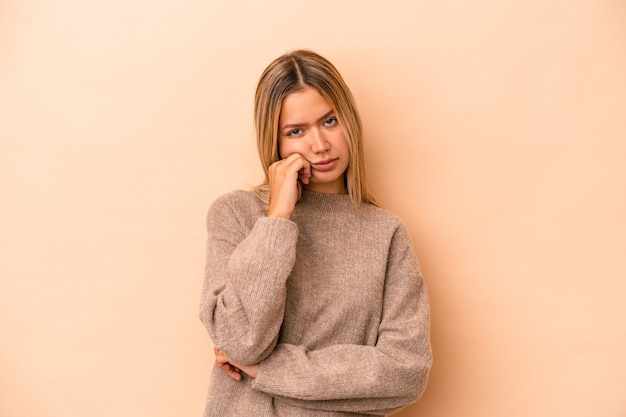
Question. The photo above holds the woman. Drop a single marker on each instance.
(312, 296)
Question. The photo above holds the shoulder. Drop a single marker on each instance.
(234, 197)
(387, 227)
(381, 217)
(237, 204)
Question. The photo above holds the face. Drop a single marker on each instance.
(308, 126)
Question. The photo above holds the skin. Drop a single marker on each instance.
(232, 369)
(308, 135)
(313, 150)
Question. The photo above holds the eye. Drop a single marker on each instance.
(294, 132)
(330, 121)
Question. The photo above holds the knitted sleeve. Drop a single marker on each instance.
(243, 295)
(376, 380)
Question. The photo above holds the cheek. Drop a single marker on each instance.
(341, 144)
(288, 147)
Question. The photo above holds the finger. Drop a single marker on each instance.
(291, 169)
(235, 375)
(305, 169)
(230, 367)
(231, 371)
(220, 356)
(303, 176)
(294, 162)
(300, 164)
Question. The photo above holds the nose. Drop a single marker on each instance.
(319, 144)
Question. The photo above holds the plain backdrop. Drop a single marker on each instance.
(496, 129)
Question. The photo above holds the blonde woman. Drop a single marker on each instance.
(312, 295)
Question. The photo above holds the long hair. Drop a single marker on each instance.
(292, 72)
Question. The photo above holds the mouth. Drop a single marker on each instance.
(325, 161)
(325, 165)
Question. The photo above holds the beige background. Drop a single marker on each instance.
(496, 129)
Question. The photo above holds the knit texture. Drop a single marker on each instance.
(330, 303)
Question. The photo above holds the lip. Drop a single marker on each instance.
(325, 165)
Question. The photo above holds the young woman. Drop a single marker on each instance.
(312, 296)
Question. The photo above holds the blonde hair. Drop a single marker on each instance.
(292, 72)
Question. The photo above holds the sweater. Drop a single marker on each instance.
(330, 303)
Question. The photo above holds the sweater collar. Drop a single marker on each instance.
(324, 202)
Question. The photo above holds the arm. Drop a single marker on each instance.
(243, 294)
(376, 379)
(243, 297)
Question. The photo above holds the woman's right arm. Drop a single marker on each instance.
(243, 295)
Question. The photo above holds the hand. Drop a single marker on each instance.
(223, 362)
(232, 369)
(283, 178)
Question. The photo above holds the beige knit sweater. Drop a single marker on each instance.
(331, 304)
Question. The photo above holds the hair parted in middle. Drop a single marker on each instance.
(292, 72)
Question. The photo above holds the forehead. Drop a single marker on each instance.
(305, 105)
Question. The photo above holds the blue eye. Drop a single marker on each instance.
(330, 121)
(294, 132)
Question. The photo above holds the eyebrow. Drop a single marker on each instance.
(292, 125)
